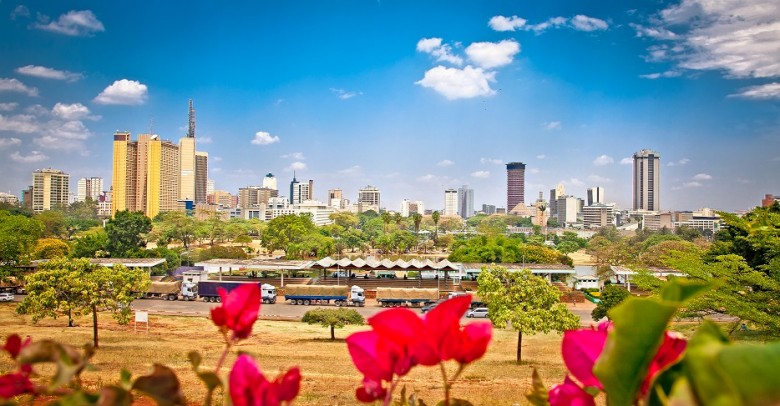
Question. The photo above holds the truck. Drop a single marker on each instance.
(207, 290)
(164, 290)
(412, 297)
(475, 301)
(323, 294)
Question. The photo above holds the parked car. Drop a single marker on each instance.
(479, 312)
(429, 307)
(6, 297)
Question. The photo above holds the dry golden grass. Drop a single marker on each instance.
(329, 376)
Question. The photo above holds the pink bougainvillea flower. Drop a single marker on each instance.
(248, 386)
(472, 343)
(13, 345)
(569, 393)
(669, 353)
(581, 348)
(15, 384)
(370, 391)
(239, 310)
(442, 330)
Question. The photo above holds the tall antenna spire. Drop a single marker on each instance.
(191, 129)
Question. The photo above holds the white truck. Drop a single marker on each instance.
(169, 290)
(413, 297)
(323, 294)
(207, 290)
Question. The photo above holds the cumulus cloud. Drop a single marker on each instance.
(493, 54)
(19, 123)
(480, 174)
(296, 166)
(445, 162)
(573, 182)
(8, 142)
(626, 161)
(298, 156)
(345, 94)
(584, 23)
(603, 160)
(534, 170)
(75, 111)
(48, 73)
(691, 185)
(442, 52)
(127, 92)
(653, 32)
(702, 176)
(494, 161)
(264, 138)
(20, 11)
(553, 22)
(760, 92)
(552, 125)
(678, 163)
(501, 23)
(13, 85)
(354, 169)
(740, 38)
(73, 23)
(34, 156)
(8, 106)
(427, 178)
(455, 83)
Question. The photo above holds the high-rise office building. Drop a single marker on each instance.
(489, 208)
(554, 195)
(89, 188)
(145, 175)
(254, 196)
(515, 184)
(595, 195)
(201, 176)
(269, 181)
(301, 192)
(465, 202)
(369, 196)
(50, 189)
(450, 202)
(647, 180)
(210, 187)
(187, 160)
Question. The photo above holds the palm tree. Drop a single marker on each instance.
(386, 219)
(417, 219)
(436, 217)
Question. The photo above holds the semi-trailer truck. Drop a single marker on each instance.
(323, 294)
(413, 297)
(164, 290)
(207, 290)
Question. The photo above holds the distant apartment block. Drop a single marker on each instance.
(89, 188)
(9, 198)
(647, 180)
(269, 181)
(301, 191)
(201, 176)
(223, 198)
(598, 215)
(568, 209)
(595, 195)
(409, 207)
(254, 196)
(515, 184)
(555, 193)
(465, 202)
(450, 202)
(488, 209)
(50, 189)
(369, 198)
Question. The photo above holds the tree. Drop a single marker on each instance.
(176, 225)
(387, 218)
(90, 244)
(126, 232)
(74, 287)
(47, 248)
(567, 247)
(54, 223)
(333, 318)
(285, 230)
(526, 301)
(611, 296)
(18, 235)
(345, 219)
(436, 216)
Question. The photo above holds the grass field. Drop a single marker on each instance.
(329, 378)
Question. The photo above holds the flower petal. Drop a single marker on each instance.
(288, 385)
(569, 394)
(14, 384)
(475, 338)
(13, 344)
(581, 349)
(247, 385)
(362, 348)
(669, 353)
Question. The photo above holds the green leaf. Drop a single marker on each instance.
(680, 290)
(681, 394)
(195, 359)
(162, 385)
(126, 378)
(538, 395)
(639, 326)
(211, 380)
(77, 398)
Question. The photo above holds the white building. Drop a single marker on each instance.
(369, 196)
(568, 207)
(269, 182)
(595, 195)
(89, 188)
(450, 202)
(9, 198)
(598, 215)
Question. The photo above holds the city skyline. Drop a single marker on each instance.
(412, 98)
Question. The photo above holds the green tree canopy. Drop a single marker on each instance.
(126, 233)
(611, 296)
(285, 230)
(90, 244)
(526, 301)
(333, 318)
(501, 249)
(47, 248)
(18, 236)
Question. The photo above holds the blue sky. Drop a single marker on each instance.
(410, 97)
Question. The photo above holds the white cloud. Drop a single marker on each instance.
(216, 159)
(542, 156)
(702, 176)
(491, 54)
(445, 162)
(680, 162)
(75, 111)
(760, 92)
(7, 142)
(552, 125)
(48, 73)
(205, 139)
(264, 138)
(554, 22)
(626, 161)
(442, 52)
(8, 106)
(298, 156)
(658, 75)
(35, 156)
(20, 11)
(427, 178)
(603, 160)
(73, 23)
(128, 92)
(584, 23)
(480, 174)
(13, 85)
(501, 23)
(351, 170)
(599, 179)
(494, 161)
(296, 166)
(20, 123)
(344, 94)
(735, 36)
(653, 32)
(573, 182)
(691, 185)
(37, 110)
(455, 83)
(534, 170)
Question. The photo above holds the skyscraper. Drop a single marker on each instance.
(515, 184)
(89, 188)
(450, 202)
(201, 176)
(300, 192)
(595, 195)
(187, 160)
(465, 202)
(369, 196)
(647, 180)
(50, 189)
(269, 181)
(145, 175)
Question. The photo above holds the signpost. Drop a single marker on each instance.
(141, 317)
